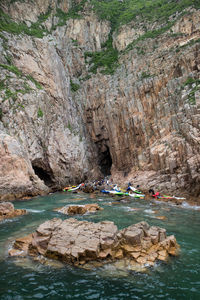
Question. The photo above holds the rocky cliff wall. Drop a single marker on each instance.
(140, 123)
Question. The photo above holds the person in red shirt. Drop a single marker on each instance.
(153, 194)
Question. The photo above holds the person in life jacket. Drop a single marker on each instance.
(153, 194)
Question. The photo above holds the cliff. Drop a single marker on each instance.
(87, 90)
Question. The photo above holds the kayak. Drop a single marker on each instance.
(75, 188)
(134, 190)
(136, 195)
(114, 192)
(171, 197)
(68, 188)
(117, 193)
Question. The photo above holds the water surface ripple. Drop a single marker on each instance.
(25, 279)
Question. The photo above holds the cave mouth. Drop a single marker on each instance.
(105, 162)
(43, 175)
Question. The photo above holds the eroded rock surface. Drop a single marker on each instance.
(79, 209)
(17, 178)
(7, 211)
(140, 124)
(79, 242)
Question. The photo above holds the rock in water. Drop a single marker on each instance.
(79, 209)
(80, 242)
(7, 210)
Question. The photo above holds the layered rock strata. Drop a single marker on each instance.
(17, 177)
(79, 209)
(7, 211)
(78, 242)
(140, 124)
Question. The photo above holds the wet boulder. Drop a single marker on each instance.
(7, 210)
(79, 209)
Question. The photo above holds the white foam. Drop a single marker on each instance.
(187, 205)
(149, 211)
(128, 208)
(35, 210)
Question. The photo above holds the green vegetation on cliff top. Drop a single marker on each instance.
(122, 12)
(117, 12)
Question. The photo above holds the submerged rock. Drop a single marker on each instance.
(79, 209)
(81, 242)
(7, 210)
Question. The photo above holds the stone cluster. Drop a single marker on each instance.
(79, 242)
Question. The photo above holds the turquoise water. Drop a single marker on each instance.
(25, 279)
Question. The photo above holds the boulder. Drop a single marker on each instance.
(79, 209)
(7, 210)
(88, 189)
(82, 242)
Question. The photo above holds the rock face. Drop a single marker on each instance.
(79, 209)
(78, 242)
(17, 178)
(7, 211)
(140, 124)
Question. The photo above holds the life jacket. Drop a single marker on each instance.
(157, 194)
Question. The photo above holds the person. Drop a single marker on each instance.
(129, 185)
(153, 194)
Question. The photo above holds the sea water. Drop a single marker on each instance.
(22, 278)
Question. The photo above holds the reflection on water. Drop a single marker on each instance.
(23, 278)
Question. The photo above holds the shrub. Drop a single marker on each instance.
(74, 86)
(107, 59)
(40, 113)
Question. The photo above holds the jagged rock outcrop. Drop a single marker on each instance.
(7, 211)
(17, 178)
(79, 209)
(140, 124)
(78, 242)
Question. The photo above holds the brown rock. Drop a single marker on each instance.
(79, 209)
(152, 257)
(133, 236)
(118, 254)
(103, 254)
(128, 248)
(80, 242)
(6, 208)
(135, 254)
(7, 211)
(174, 251)
(162, 255)
(141, 260)
(20, 247)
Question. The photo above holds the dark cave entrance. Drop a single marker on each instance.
(43, 175)
(105, 162)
